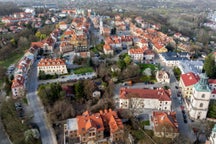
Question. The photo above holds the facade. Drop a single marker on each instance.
(108, 50)
(18, 87)
(200, 98)
(137, 54)
(163, 77)
(186, 83)
(165, 124)
(52, 66)
(91, 128)
(156, 99)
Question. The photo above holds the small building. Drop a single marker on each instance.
(163, 77)
(165, 124)
(108, 50)
(52, 66)
(18, 87)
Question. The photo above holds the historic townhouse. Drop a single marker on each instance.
(52, 66)
(97, 128)
(155, 99)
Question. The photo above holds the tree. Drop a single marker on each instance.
(79, 90)
(89, 87)
(209, 66)
(212, 109)
(127, 59)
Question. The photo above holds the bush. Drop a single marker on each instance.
(83, 70)
(177, 73)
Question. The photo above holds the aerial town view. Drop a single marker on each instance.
(107, 72)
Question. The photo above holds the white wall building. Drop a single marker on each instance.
(52, 66)
(199, 101)
(155, 99)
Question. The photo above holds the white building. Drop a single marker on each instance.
(18, 87)
(52, 66)
(212, 138)
(199, 101)
(155, 99)
(163, 77)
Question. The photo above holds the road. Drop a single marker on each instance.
(46, 132)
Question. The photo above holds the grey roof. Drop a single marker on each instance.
(175, 56)
(72, 124)
(191, 66)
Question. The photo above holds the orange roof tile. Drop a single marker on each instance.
(51, 62)
(18, 81)
(159, 93)
(165, 119)
(189, 79)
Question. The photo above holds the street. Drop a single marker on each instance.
(46, 132)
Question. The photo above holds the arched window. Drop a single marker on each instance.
(201, 104)
(203, 95)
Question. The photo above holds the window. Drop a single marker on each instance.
(201, 104)
(203, 95)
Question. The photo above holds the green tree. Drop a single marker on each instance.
(127, 59)
(209, 66)
(121, 64)
(79, 90)
(212, 109)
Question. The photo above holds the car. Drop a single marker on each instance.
(185, 120)
(184, 116)
(176, 87)
(183, 111)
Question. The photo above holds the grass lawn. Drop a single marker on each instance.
(11, 60)
(83, 70)
(145, 66)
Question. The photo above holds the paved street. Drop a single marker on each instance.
(46, 133)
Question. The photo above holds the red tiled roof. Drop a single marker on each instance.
(212, 81)
(159, 93)
(164, 119)
(18, 81)
(189, 79)
(51, 62)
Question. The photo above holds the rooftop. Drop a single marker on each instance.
(169, 56)
(159, 93)
(72, 124)
(189, 79)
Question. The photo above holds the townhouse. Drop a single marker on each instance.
(163, 77)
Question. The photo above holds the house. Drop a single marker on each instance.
(195, 66)
(52, 66)
(63, 25)
(212, 85)
(18, 87)
(108, 50)
(186, 83)
(163, 77)
(148, 55)
(173, 58)
(165, 124)
(137, 54)
(137, 98)
(92, 127)
(200, 98)
(212, 138)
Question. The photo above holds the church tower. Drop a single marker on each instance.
(200, 99)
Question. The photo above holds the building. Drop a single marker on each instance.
(199, 101)
(163, 77)
(137, 54)
(173, 58)
(52, 66)
(186, 83)
(165, 124)
(195, 66)
(212, 85)
(156, 99)
(18, 87)
(95, 128)
(108, 50)
(212, 138)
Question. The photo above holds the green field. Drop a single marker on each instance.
(11, 60)
(83, 70)
(145, 66)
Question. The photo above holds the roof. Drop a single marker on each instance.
(72, 124)
(18, 81)
(112, 120)
(212, 81)
(202, 85)
(87, 121)
(136, 51)
(175, 56)
(159, 93)
(166, 120)
(51, 62)
(189, 79)
(214, 128)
